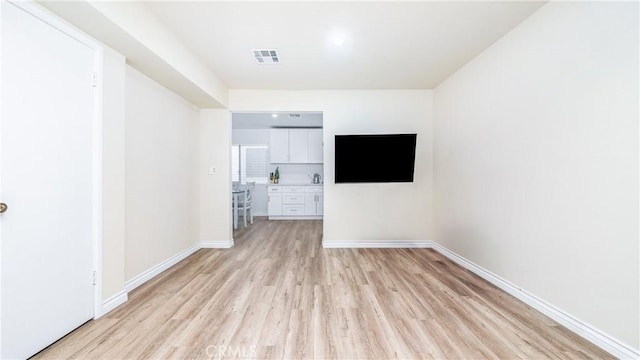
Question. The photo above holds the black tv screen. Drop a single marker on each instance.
(375, 158)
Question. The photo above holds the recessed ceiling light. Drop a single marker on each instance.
(338, 41)
(274, 115)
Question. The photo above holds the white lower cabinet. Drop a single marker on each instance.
(274, 205)
(313, 200)
(292, 210)
(291, 202)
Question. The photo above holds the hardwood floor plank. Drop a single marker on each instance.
(277, 294)
(325, 325)
(299, 343)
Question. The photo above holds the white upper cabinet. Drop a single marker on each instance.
(279, 146)
(314, 146)
(296, 146)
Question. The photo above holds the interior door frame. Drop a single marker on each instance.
(32, 8)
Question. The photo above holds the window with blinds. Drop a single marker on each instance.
(250, 163)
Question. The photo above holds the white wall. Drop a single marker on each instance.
(250, 136)
(162, 149)
(130, 28)
(215, 190)
(135, 19)
(113, 173)
(364, 212)
(536, 161)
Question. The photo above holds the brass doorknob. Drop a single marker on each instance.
(3, 207)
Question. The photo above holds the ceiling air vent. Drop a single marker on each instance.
(294, 116)
(266, 56)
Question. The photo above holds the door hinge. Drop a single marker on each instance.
(95, 80)
(94, 277)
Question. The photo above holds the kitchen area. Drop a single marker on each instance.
(279, 156)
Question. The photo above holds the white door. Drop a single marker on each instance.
(46, 127)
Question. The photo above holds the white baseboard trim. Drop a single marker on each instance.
(590, 333)
(386, 244)
(122, 297)
(113, 302)
(216, 244)
(154, 271)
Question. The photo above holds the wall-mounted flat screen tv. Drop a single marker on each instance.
(386, 158)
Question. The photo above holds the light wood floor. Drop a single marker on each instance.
(278, 294)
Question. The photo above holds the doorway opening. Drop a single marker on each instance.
(277, 167)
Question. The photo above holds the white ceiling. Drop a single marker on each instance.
(387, 45)
(265, 120)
